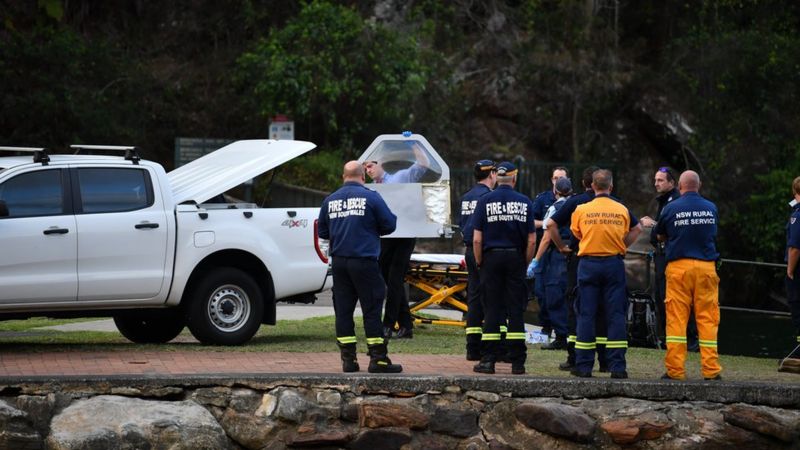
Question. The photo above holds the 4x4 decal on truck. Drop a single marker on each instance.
(295, 223)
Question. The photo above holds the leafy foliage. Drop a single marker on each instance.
(87, 94)
(543, 79)
(739, 68)
(319, 169)
(339, 75)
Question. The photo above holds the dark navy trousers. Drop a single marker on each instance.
(505, 297)
(601, 285)
(357, 279)
(555, 289)
(793, 295)
(474, 302)
(395, 254)
(540, 291)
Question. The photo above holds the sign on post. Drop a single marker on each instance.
(189, 149)
(281, 128)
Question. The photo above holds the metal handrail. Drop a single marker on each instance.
(725, 260)
(733, 261)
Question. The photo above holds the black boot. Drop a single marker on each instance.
(475, 347)
(485, 366)
(349, 359)
(569, 364)
(379, 362)
(560, 343)
(473, 351)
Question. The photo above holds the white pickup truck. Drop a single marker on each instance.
(84, 235)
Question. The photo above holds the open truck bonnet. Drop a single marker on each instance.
(230, 166)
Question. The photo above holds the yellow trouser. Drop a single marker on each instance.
(692, 283)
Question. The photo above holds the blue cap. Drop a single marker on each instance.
(484, 166)
(564, 186)
(506, 169)
(406, 133)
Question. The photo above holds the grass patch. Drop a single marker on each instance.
(317, 335)
(35, 322)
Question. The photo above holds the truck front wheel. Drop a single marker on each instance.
(151, 327)
(226, 307)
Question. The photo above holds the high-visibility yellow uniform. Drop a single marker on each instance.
(689, 224)
(692, 285)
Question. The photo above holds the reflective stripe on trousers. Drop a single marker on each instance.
(692, 285)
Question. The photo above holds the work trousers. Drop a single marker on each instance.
(354, 280)
(504, 294)
(540, 292)
(601, 283)
(555, 288)
(660, 293)
(474, 302)
(395, 254)
(793, 295)
(692, 285)
(572, 315)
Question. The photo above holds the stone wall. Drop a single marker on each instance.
(392, 412)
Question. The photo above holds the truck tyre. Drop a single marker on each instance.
(226, 307)
(152, 327)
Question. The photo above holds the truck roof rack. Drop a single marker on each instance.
(131, 152)
(39, 153)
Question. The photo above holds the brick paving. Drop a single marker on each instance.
(206, 363)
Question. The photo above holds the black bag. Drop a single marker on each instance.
(642, 321)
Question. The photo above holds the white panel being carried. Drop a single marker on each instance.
(413, 180)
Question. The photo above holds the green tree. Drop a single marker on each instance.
(342, 78)
(738, 66)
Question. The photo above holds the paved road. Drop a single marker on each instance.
(322, 307)
(175, 363)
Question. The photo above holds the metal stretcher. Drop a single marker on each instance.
(444, 278)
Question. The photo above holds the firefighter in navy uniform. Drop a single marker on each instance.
(792, 257)
(606, 228)
(484, 173)
(560, 219)
(541, 203)
(354, 218)
(555, 274)
(504, 236)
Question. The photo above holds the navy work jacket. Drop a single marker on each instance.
(690, 224)
(354, 218)
(505, 218)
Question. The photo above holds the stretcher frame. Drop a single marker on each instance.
(444, 278)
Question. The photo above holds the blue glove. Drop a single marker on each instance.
(532, 267)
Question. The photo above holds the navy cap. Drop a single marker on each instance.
(483, 167)
(506, 169)
(564, 186)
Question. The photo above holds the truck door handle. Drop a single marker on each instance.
(55, 230)
(140, 226)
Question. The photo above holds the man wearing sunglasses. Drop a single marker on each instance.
(665, 182)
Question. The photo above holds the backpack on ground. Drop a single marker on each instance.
(642, 321)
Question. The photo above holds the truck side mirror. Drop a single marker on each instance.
(3, 209)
